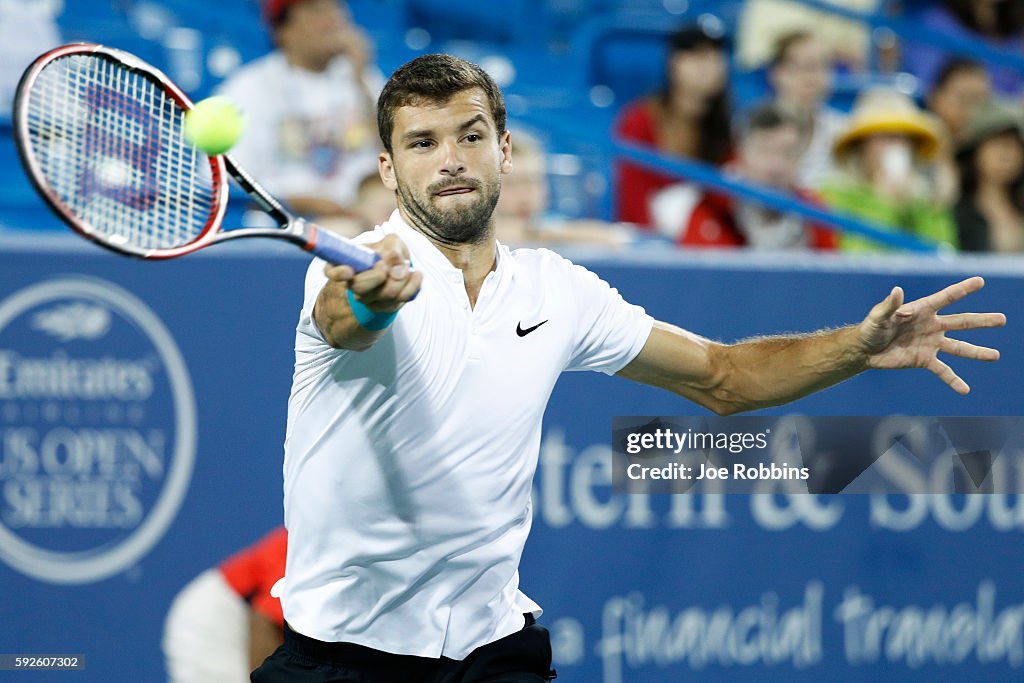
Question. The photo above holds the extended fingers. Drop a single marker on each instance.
(946, 374)
(972, 321)
(885, 309)
(953, 293)
(963, 349)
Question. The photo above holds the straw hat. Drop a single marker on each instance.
(889, 111)
(992, 119)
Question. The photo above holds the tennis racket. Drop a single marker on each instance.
(101, 135)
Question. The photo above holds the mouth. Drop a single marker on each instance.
(448, 191)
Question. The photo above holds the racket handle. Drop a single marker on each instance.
(340, 251)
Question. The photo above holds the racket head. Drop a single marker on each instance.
(100, 134)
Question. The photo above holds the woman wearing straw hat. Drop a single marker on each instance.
(883, 152)
(990, 213)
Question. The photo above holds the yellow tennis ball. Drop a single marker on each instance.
(214, 125)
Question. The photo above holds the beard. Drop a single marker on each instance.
(469, 223)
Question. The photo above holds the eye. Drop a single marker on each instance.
(474, 137)
(422, 144)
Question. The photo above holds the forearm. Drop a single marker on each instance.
(764, 372)
(337, 323)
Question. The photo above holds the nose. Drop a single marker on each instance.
(452, 163)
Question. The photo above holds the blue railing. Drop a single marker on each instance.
(710, 177)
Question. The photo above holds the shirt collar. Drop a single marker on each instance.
(424, 250)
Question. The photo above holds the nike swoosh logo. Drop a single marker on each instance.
(522, 333)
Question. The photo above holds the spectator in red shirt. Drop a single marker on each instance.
(689, 118)
(770, 145)
(225, 622)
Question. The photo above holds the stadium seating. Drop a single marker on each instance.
(565, 66)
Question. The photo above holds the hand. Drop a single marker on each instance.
(386, 286)
(898, 335)
(355, 45)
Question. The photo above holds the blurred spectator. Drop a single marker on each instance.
(689, 117)
(27, 30)
(801, 74)
(990, 213)
(962, 85)
(1000, 22)
(374, 202)
(311, 132)
(769, 149)
(224, 623)
(373, 205)
(960, 88)
(521, 216)
(763, 22)
(883, 154)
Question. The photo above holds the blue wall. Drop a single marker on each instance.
(770, 572)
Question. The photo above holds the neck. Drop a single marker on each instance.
(475, 259)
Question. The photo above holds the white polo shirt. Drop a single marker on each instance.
(408, 466)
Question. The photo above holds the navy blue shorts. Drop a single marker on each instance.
(521, 657)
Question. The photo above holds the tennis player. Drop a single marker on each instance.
(414, 421)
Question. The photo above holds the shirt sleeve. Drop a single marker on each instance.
(315, 281)
(609, 331)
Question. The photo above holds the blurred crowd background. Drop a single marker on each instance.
(850, 125)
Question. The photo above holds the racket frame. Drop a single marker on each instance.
(291, 228)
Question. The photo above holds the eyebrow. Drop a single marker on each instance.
(427, 132)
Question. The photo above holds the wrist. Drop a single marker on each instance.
(366, 317)
(857, 348)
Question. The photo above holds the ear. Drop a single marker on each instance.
(387, 171)
(505, 144)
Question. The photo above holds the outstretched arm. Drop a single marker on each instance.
(382, 289)
(731, 378)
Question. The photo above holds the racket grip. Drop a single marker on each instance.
(340, 251)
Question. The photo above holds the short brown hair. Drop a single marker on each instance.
(434, 79)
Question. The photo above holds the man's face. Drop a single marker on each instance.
(772, 156)
(446, 166)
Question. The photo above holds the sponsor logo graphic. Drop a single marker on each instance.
(97, 430)
(522, 333)
(73, 321)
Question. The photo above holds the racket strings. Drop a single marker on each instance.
(110, 144)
